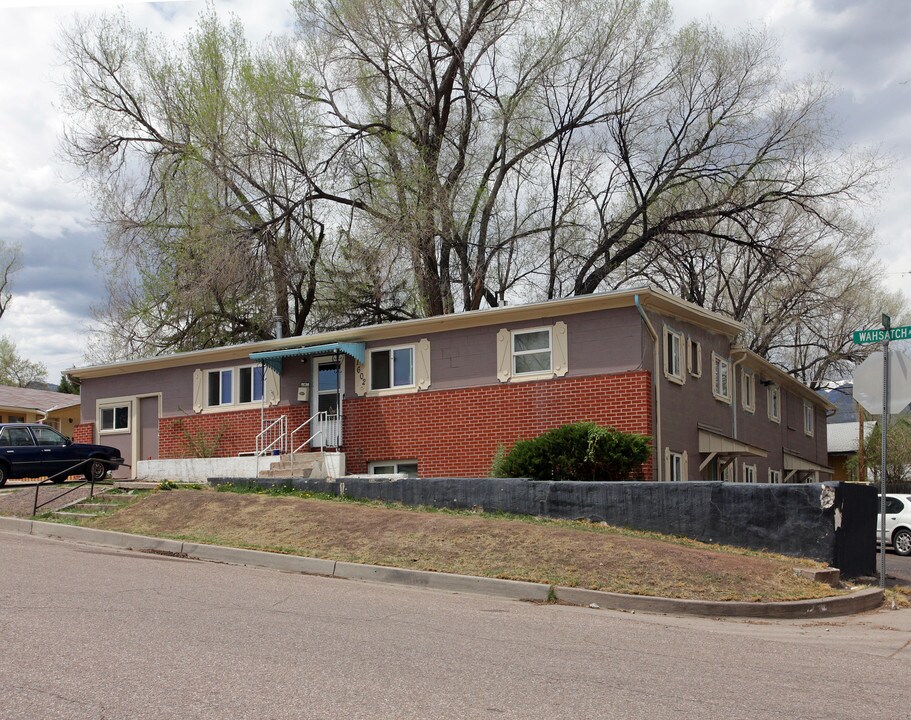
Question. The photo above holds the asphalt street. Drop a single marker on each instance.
(89, 632)
(897, 567)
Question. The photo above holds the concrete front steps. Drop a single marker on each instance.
(103, 502)
(299, 465)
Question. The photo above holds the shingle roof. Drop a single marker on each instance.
(29, 399)
(842, 437)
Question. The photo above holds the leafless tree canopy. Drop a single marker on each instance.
(394, 158)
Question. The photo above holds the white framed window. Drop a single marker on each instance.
(54, 423)
(673, 355)
(393, 467)
(774, 476)
(250, 383)
(727, 475)
(749, 473)
(392, 368)
(15, 418)
(809, 415)
(721, 380)
(531, 351)
(748, 390)
(234, 386)
(220, 387)
(773, 397)
(114, 418)
(675, 467)
(694, 357)
(538, 353)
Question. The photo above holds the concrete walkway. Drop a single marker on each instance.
(859, 601)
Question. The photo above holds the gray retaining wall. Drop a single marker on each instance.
(831, 522)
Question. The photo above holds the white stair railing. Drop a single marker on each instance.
(317, 420)
(272, 437)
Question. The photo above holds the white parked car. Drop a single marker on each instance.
(898, 523)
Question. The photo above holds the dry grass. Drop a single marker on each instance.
(555, 552)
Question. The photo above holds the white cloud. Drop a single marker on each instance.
(45, 331)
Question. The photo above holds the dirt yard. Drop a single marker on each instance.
(556, 552)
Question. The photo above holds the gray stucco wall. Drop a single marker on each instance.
(603, 342)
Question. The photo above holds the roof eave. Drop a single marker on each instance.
(653, 298)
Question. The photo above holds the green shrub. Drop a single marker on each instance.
(578, 451)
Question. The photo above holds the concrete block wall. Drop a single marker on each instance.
(831, 522)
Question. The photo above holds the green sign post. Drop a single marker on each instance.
(865, 337)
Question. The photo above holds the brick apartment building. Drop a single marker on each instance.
(437, 396)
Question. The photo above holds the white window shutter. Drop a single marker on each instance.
(273, 386)
(504, 356)
(560, 351)
(422, 364)
(684, 467)
(198, 391)
(360, 378)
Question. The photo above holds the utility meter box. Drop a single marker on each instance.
(303, 392)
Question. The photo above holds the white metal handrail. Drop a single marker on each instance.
(322, 417)
(272, 437)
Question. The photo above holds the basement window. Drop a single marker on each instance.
(394, 467)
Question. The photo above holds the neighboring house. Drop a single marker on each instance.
(437, 396)
(841, 394)
(843, 441)
(59, 410)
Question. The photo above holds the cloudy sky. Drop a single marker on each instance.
(861, 45)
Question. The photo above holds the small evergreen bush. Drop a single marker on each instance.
(578, 451)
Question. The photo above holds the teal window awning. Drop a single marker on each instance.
(273, 358)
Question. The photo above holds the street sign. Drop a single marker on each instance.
(868, 382)
(865, 337)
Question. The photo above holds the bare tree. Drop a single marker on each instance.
(396, 158)
(195, 155)
(9, 264)
(800, 286)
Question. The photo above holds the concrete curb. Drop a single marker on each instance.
(855, 602)
(513, 589)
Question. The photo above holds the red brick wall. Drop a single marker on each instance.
(451, 433)
(455, 433)
(84, 433)
(235, 431)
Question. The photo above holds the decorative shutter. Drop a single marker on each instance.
(198, 391)
(272, 381)
(699, 359)
(504, 356)
(684, 467)
(667, 464)
(422, 364)
(360, 378)
(561, 359)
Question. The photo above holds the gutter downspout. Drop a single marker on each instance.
(651, 331)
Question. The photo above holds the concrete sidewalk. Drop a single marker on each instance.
(860, 601)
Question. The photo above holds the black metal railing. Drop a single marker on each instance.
(64, 474)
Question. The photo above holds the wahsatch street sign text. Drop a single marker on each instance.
(864, 337)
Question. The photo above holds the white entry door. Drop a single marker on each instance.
(328, 379)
